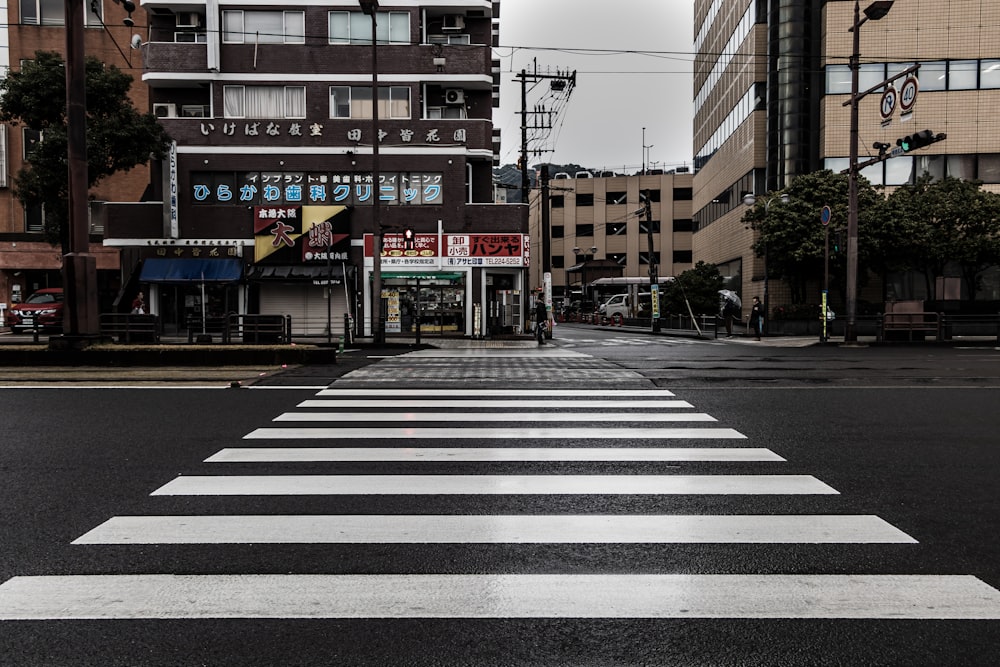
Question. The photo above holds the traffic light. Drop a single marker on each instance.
(409, 242)
(920, 139)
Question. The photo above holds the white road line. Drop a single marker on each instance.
(488, 454)
(519, 417)
(530, 529)
(405, 404)
(364, 485)
(525, 432)
(498, 596)
(610, 393)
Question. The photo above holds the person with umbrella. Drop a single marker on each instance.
(729, 309)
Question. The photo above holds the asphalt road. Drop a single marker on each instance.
(904, 434)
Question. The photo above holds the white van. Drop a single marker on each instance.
(621, 304)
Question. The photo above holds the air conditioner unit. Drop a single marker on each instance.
(454, 96)
(164, 110)
(453, 22)
(188, 20)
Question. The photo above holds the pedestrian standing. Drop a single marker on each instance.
(139, 305)
(757, 317)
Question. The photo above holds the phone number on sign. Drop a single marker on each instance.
(484, 261)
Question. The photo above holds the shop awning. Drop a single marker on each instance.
(296, 272)
(157, 270)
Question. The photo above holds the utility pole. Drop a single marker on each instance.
(559, 82)
(81, 322)
(654, 279)
(546, 243)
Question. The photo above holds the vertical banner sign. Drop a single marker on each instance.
(654, 300)
(173, 228)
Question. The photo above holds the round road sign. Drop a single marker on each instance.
(825, 215)
(908, 94)
(889, 99)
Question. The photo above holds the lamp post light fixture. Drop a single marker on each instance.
(750, 199)
(873, 12)
(370, 7)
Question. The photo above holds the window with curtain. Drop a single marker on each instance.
(53, 12)
(264, 101)
(263, 27)
(356, 28)
(356, 102)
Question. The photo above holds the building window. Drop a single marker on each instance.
(558, 231)
(558, 201)
(962, 166)
(683, 256)
(34, 219)
(933, 75)
(558, 262)
(644, 258)
(652, 225)
(683, 225)
(29, 139)
(264, 101)
(584, 230)
(585, 199)
(989, 74)
(619, 258)
(615, 198)
(263, 27)
(356, 102)
(53, 12)
(356, 28)
(989, 168)
(615, 228)
(683, 194)
(963, 75)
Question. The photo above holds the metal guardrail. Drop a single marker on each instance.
(130, 328)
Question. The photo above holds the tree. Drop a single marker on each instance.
(792, 239)
(945, 221)
(698, 286)
(119, 137)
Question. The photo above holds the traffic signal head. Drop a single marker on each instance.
(919, 140)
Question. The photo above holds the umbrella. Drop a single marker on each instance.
(731, 296)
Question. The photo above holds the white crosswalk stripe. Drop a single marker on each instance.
(489, 418)
(498, 596)
(495, 529)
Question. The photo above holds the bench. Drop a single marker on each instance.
(129, 328)
(910, 322)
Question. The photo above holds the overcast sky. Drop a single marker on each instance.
(634, 69)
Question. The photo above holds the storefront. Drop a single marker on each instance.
(446, 284)
(184, 291)
(301, 268)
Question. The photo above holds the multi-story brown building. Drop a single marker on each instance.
(599, 229)
(27, 262)
(266, 200)
(770, 93)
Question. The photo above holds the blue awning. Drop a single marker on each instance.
(158, 270)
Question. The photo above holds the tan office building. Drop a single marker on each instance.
(770, 85)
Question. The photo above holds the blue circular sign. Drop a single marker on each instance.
(825, 215)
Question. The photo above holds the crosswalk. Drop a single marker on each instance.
(372, 425)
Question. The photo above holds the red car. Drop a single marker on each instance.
(44, 308)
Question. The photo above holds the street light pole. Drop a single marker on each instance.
(874, 12)
(370, 7)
